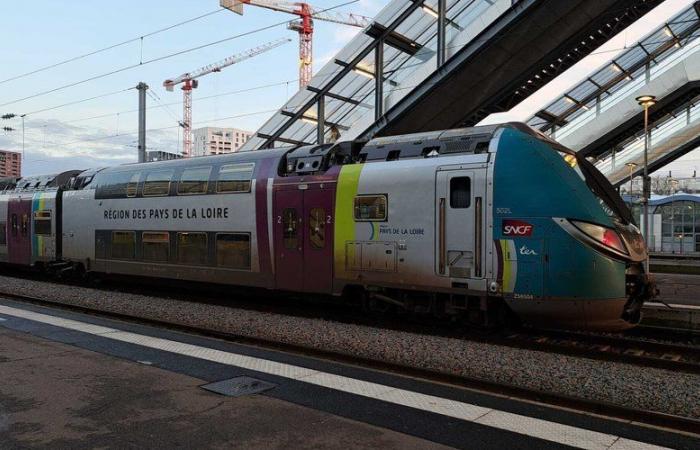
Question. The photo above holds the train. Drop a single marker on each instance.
(489, 224)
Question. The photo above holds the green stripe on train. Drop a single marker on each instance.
(346, 190)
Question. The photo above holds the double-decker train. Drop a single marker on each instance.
(485, 223)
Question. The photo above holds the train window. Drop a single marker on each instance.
(194, 181)
(192, 248)
(113, 185)
(123, 245)
(133, 185)
(460, 192)
(156, 246)
(393, 155)
(3, 233)
(14, 224)
(317, 227)
(290, 234)
(233, 250)
(42, 222)
(157, 183)
(370, 208)
(235, 177)
(24, 229)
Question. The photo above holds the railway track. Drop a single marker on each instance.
(614, 348)
(643, 348)
(613, 411)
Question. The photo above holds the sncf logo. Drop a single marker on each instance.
(516, 228)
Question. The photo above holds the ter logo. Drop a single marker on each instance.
(516, 228)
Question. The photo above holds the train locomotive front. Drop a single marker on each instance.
(566, 249)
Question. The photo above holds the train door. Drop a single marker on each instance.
(304, 238)
(318, 240)
(460, 220)
(289, 239)
(19, 243)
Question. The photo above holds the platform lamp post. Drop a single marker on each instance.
(646, 102)
(631, 165)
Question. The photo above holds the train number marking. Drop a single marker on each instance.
(503, 211)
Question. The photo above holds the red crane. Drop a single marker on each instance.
(304, 26)
(189, 82)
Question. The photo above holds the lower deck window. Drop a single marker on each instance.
(42, 222)
(192, 248)
(123, 245)
(156, 246)
(233, 250)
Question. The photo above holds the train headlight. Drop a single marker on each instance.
(602, 235)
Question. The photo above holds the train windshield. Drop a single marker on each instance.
(609, 199)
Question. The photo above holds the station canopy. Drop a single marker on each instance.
(620, 72)
(407, 57)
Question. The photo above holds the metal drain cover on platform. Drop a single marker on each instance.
(239, 386)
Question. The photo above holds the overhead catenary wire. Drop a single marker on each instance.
(109, 47)
(75, 102)
(199, 99)
(164, 57)
(169, 127)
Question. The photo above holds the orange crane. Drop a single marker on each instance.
(189, 81)
(304, 26)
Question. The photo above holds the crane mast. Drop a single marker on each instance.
(304, 26)
(189, 81)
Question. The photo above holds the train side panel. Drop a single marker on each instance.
(208, 236)
(388, 230)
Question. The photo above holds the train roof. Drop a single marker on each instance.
(239, 157)
(45, 182)
(302, 160)
(8, 183)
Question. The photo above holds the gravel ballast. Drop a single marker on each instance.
(622, 384)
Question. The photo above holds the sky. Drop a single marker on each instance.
(103, 131)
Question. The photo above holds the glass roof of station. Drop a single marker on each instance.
(409, 57)
(662, 43)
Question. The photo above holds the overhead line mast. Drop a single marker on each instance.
(304, 26)
(189, 82)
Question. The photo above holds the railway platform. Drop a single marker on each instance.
(81, 381)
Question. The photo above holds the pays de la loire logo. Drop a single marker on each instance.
(516, 228)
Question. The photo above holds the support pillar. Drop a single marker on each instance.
(321, 118)
(441, 21)
(379, 80)
(142, 87)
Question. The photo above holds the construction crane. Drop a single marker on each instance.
(189, 82)
(304, 26)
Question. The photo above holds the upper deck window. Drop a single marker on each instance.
(116, 185)
(194, 181)
(157, 183)
(235, 178)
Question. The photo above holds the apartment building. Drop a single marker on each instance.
(10, 164)
(217, 141)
